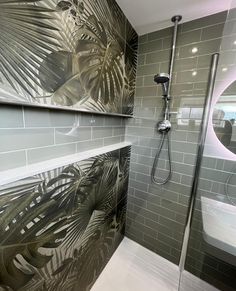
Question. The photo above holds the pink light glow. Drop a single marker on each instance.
(213, 146)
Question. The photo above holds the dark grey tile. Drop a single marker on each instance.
(177, 157)
(186, 180)
(183, 168)
(89, 145)
(137, 131)
(52, 152)
(137, 201)
(147, 196)
(150, 46)
(146, 213)
(143, 178)
(231, 14)
(90, 120)
(118, 131)
(18, 139)
(181, 90)
(170, 241)
(163, 193)
(133, 233)
(167, 42)
(146, 91)
(148, 69)
(134, 217)
(190, 159)
(112, 140)
(204, 184)
(160, 210)
(204, 21)
(204, 62)
(70, 135)
(11, 116)
(139, 168)
(113, 121)
(171, 224)
(179, 135)
(212, 32)
(138, 185)
(204, 48)
(193, 137)
(208, 162)
(214, 175)
(152, 102)
(160, 34)
(141, 59)
(12, 160)
(184, 147)
(186, 64)
(101, 132)
(40, 117)
(193, 76)
(140, 82)
(143, 38)
(157, 57)
(185, 38)
(173, 206)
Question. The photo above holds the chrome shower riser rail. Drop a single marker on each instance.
(164, 126)
(175, 19)
(200, 150)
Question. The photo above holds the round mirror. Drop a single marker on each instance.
(224, 118)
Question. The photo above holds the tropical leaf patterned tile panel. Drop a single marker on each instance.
(73, 54)
(59, 228)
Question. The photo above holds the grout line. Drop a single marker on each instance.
(26, 157)
(23, 114)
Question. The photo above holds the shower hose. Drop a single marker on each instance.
(155, 180)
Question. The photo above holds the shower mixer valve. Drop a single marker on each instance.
(164, 126)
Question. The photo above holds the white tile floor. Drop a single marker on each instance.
(134, 268)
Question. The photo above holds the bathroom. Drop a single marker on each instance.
(118, 145)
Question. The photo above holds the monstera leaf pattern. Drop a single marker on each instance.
(25, 228)
(73, 53)
(27, 35)
(59, 229)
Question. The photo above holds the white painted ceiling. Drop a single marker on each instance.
(150, 15)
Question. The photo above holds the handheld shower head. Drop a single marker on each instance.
(163, 79)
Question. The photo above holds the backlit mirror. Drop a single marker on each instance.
(224, 118)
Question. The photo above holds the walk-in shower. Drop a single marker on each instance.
(164, 126)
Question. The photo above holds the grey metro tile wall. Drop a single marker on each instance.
(31, 135)
(200, 259)
(156, 214)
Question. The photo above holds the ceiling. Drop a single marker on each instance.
(150, 15)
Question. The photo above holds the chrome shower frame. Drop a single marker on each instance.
(200, 151)
(164, 126)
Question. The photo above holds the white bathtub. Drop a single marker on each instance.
(219, 225)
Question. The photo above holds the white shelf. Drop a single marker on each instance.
(16, 174)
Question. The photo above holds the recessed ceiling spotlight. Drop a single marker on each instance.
(194, 50)
(194, 73)
(224, 69)
(235, 42)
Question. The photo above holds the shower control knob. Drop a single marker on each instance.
(164, 126)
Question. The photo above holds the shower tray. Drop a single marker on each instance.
(219, 228)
